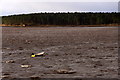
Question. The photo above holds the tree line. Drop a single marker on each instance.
(75, 18)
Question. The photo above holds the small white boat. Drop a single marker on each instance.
(40, 53)
(37, 54)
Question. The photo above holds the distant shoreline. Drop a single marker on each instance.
(102, 25)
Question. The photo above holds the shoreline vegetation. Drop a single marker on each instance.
(62, 20)
(102, 25)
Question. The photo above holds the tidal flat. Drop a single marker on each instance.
(70, 52)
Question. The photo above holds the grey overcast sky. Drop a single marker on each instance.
(10, 7)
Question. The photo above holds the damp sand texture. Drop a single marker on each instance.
(70, 52)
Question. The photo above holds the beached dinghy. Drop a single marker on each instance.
(37, 54)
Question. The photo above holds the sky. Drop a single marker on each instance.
(11, 7)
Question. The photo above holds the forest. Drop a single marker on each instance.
(74, 18)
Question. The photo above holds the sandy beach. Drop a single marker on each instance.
(70, 52)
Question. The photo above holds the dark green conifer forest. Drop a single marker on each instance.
(75, 18)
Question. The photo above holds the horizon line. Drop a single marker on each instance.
(53, 12)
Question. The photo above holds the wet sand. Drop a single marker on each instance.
(70, 52)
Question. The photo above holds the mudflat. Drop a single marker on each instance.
(70, 52)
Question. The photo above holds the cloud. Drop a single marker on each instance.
(35, 7)
(15, 1)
